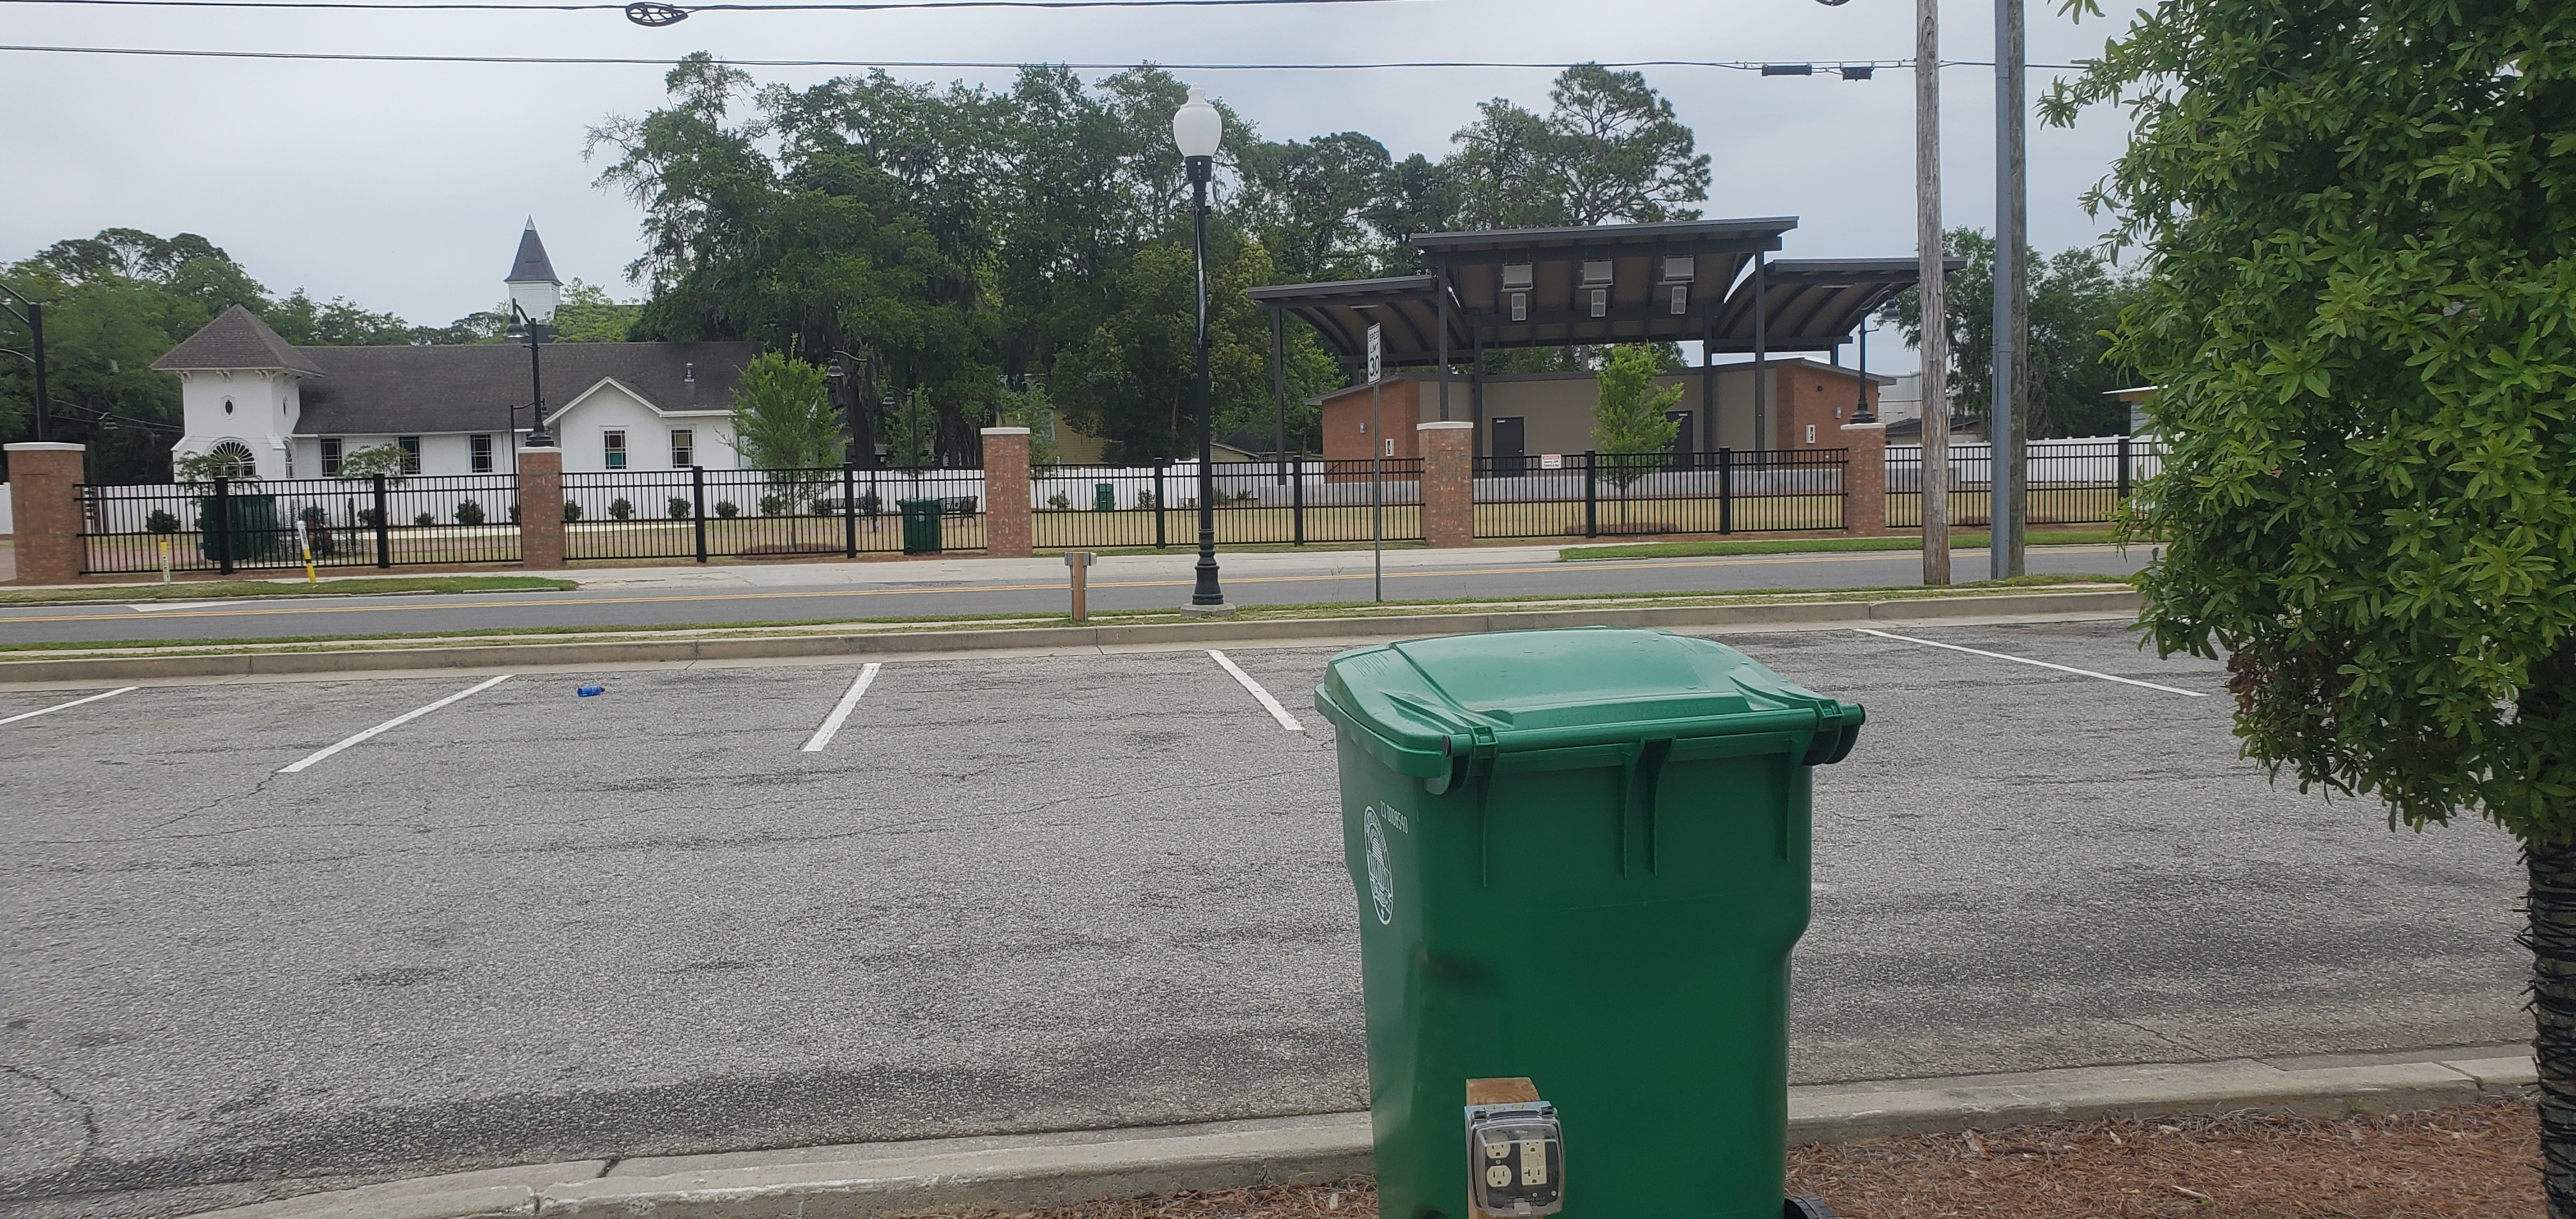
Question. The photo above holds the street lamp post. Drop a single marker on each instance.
(534, 333)
(34, 318)
(1196, 129)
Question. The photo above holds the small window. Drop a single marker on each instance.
(1596, 271)
(615, 445)
(330, 455)
(410, 446)
(1600, 302)
(1520, 306)
(1681, 299)
(1516, 275)
(1811, 433)
(684, 448)
(228, 406)
(480, 448)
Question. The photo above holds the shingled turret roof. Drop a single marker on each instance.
(237, 339)
(531, 266)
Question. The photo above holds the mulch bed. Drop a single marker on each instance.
(2480, 1161)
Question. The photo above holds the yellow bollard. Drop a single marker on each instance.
(165, 560)
(305, 535)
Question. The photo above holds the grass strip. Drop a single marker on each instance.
(211, 590)
(972, 622)
(1692, 550)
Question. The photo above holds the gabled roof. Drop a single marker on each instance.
(531, 266)
(236, 339)
(470, 387)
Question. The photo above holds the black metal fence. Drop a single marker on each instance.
(236, 524)
(704, 514)
(1594, 495)
(1256, 502)
(2071, 482)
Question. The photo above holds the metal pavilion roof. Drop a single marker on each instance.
(1606, 283)
(1407, 306)
(1812, 304)
(1624, 283)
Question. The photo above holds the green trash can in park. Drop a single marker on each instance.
(1582, 861)
(920, 525)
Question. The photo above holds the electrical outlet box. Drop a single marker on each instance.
(1515, 1159)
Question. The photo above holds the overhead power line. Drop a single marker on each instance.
(1848, 69)
(784, 6)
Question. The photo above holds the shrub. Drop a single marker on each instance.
(469, 513)
(679, 508)
(370, 517)
(161, 522)
(1247, 497)
(1144, 499)
(1059, 501)
(514, 514)
(870, 505)
(725, 508)
(572, 511)
(424, 519)
(770, 504)
(621, 508)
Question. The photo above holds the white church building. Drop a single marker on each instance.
(294, 412)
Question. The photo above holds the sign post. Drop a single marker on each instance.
(1377, 475)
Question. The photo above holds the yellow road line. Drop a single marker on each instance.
(483, 601)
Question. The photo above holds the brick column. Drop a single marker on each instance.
(541, 508)
(1448, 483)
(1865, 478)
(1006, 493)
(44, 495)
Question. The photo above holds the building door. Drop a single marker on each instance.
(1683, 448)
(1510, 461)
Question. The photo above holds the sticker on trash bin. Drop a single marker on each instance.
(1381, 872)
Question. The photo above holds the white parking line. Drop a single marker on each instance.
(1268, 703)
(29, 715)
(2020, 660)
(396, 722)
(849, 702)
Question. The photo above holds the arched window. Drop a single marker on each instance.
(237, 459)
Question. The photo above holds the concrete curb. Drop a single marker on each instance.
(877, 644)
(1022, 1172)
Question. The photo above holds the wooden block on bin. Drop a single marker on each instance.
(1515, 1090)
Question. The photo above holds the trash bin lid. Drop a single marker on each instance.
(1425, 707)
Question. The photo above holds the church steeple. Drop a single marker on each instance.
(532, 283)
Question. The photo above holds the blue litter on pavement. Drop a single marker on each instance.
(587, 691)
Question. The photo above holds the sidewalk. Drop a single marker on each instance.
(1045, 568)
(1021, 1172)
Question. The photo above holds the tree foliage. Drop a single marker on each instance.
(2360, 217)
(2076, 297)
(1628, 422)
(979, 242)
(782, 416)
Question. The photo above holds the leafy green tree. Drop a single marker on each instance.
(1032, 409)
(2360, 271)
(1629, 428)
(1309, 201)
(912, 433)
(2076, 297)
(301, 320)
(367, 463)
(784, 425)
(1609, 149)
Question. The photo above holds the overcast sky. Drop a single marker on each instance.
(403, 187)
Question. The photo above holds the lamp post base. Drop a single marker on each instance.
(1208, 611)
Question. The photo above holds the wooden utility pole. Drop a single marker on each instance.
(1934, 470)
(2008, 506)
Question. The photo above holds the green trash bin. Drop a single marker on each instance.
(1582, 860)
(920, 525)
(1104, 497)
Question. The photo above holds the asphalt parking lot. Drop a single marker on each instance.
(1027, 892)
